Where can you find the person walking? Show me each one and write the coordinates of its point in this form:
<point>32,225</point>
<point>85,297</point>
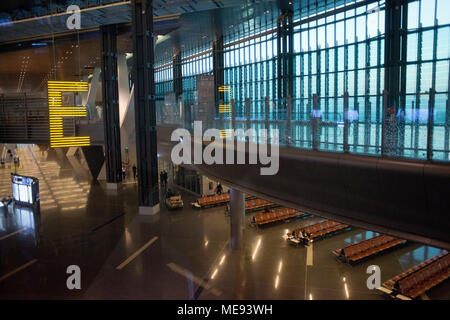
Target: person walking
<point>165,178</point>
<point>161,180</point>
<point>134,171</point>
<point>219,188</point>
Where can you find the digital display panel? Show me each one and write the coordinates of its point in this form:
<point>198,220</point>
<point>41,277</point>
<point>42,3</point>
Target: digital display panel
<point>23,194</point>
<point>25,189</point>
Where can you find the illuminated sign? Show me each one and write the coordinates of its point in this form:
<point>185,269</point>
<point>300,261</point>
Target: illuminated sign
<point>57,112</point>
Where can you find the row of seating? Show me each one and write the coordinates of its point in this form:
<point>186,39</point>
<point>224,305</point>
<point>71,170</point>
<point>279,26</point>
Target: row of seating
<point>309,233</point>
<point>276,215</point>
<point>257,204</point>
<point>420,278</point>
<point>213,200</point>
<point>324,228</point>
<point>366,248</point>
<point>209,201</point>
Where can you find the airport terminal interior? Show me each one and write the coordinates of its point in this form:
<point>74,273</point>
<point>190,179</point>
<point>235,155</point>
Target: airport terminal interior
<point>225,149</point>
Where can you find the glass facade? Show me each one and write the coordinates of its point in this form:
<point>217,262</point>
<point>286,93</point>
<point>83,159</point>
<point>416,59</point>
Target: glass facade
<point>427,67</point>
<point>194,61</point>
<point>338,54</point>
<point>163,80</point>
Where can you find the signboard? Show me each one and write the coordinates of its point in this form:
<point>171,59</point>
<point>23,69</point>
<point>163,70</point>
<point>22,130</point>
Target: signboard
<point>59,109</point>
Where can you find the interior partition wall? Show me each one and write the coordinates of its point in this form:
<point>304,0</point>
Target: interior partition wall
<point>339,89</point>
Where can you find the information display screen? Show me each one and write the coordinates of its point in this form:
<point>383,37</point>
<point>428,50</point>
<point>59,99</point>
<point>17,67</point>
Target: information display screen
<point>25,189</point>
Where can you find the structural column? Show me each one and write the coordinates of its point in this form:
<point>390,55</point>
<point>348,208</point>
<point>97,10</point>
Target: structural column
<point>178,84</point>
<point>394,80</point>
<point>145,112</point>
<point>430,124</point>
<point>177,74</point>
<point>447,121</point>
<point>237,219</point>
<point>346,123</point>
<point>89,100</point>
<point>285,63</point>
<point>218,65</point>
<point>316,123</point>
<point>110,93</point>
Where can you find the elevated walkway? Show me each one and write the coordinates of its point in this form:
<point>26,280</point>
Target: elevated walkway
<point>401,198</point>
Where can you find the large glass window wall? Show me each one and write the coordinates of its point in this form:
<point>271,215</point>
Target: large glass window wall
<point>338,77</point>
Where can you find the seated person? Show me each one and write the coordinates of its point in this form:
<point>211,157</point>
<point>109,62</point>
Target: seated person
<point>307,237</point>
<point>170,193</point>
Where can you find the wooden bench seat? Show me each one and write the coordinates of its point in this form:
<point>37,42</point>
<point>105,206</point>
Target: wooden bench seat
<point>320,229</point>
<point>420,278</point>
<point>276,215</point>
<point>216,200</point>
<point>367,248</point>
<point>420,281</point>
<point>255,204</point>
<point>389,284</point>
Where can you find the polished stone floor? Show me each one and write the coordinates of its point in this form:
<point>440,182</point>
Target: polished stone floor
<point>174,255</point>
